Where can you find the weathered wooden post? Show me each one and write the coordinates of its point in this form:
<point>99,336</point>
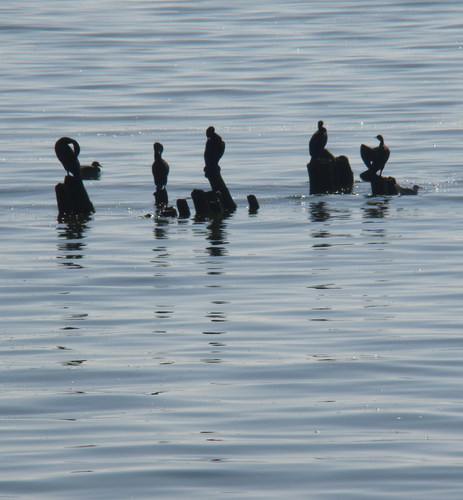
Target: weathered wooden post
<point>200,202</point>
<point>383,185</point>
<point>183,208</point>
<point>253,204</point>
<point>330,174</point>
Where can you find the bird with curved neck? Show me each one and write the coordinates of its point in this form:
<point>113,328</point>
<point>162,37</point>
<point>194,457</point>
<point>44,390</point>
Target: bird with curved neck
<point>214,150</point>
<point>375,158</point>
<point>318,141</point>
<point>160,167</point>
<point>67,150</point>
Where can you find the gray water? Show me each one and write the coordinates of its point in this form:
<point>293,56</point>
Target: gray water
<point>311,350</point>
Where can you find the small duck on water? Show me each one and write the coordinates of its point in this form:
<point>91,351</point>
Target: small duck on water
<point>408,190</point>
<point>92,171</point>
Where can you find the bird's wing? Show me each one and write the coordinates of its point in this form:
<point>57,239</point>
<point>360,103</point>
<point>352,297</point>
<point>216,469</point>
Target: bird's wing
<point>367,154</point>
<point>387,153</point>
<point>221,149</point>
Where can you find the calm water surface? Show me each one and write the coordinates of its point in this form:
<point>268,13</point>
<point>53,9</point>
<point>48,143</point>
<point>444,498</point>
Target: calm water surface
<point>311,350</point>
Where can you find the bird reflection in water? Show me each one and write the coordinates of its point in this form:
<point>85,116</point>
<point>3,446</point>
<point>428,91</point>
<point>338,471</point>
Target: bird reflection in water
<point>217,237</point>
<point>160,228</point>
<point>319,212</point>
<point>216,316</point>
<point>162,257</point>
<point>164,311</point>
<point>72,230</point>
<point>376,208</point>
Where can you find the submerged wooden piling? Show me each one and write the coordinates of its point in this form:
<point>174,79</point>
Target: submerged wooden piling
<point>253,204</point>
<point>383,185</point>
<point>388,186</point>
<point>183,208</point>
<point>218,186</point>
<point>330,175</point>
<point>201,203</point>
<point>72,198</point>
<point>161,197</point>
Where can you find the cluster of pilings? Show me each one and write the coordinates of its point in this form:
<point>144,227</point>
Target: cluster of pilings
<point>330,174</point>
<point>327,175</point>
<point>216,202</point>
<point>72,198</point>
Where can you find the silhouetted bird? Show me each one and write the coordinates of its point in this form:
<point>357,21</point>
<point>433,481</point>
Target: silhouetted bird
<point>67,155</point>
<point>90,171</point>
<point>215,148</point>
<point>318,141</point>
<point>375,158</point>
<point>160,167</point>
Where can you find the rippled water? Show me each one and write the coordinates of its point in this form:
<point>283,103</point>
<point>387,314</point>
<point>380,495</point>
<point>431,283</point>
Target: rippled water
<point>311,350</point>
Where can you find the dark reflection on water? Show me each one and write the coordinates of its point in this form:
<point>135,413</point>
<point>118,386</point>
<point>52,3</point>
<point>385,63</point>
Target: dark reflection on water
<point>325,286</point>
<point>217,316</point>
<point>74,362</point>
<point>321,234</point>
<point>162,256</point>
<point>321,246</point>
<point>67,318</point>
<point>77,317</point>
<point>217,235</point>
<point>217,344</point>
<point>160,228</point>
<point>215,232</point>
<point>164,311</point>
<point>377,233</point>
<point>214,271</point>
<point>376,208</point>
<point>72,230</point>
<point>318,211</point>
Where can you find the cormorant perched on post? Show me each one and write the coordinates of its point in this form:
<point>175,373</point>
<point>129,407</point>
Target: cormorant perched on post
<point>215,148</point>
<point>67,155</point>
<point>375,158</point>
<point>220,197</point>
<point>318,141</point>
<point>160,167</point>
